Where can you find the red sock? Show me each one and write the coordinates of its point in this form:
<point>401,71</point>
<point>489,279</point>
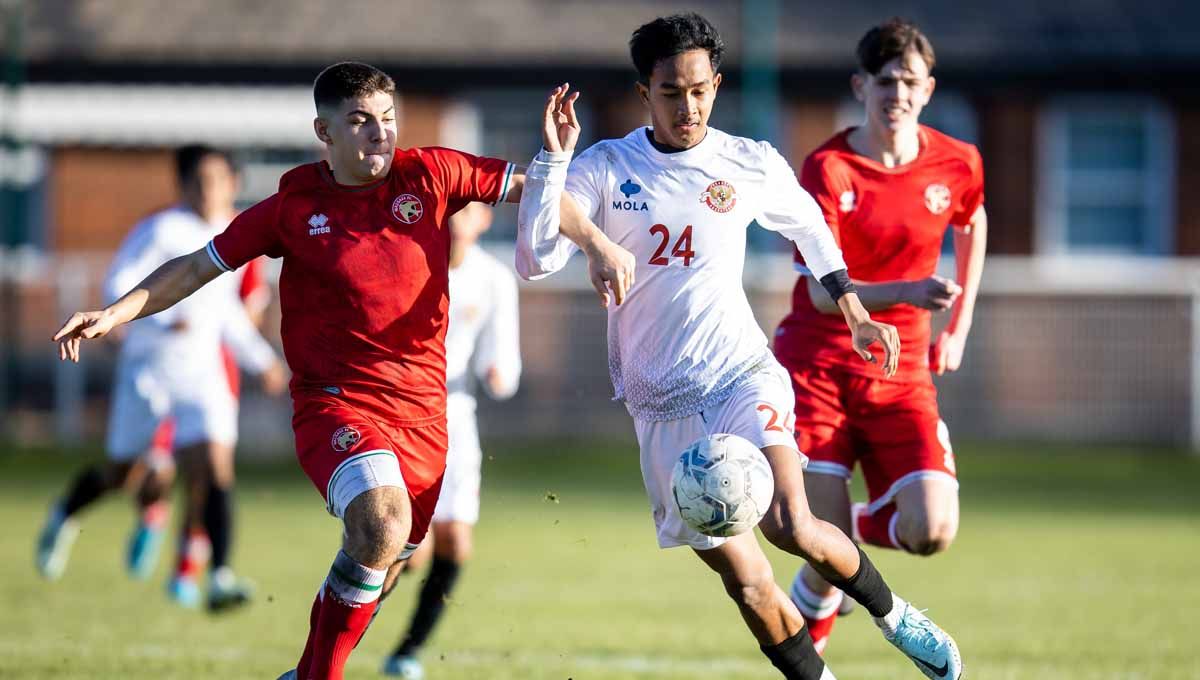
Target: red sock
<point>155,515</point>
<point>338,631</point>
<point>314,618</point>
<point>879,528</point>
<point>820,629</point>
<point>193,554</point>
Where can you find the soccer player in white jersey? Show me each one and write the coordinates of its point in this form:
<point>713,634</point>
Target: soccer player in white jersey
<point>685,353</point>
<point>482,347</point>
<point>171,366</point>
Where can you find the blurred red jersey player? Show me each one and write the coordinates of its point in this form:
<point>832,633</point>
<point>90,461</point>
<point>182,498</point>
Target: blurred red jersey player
<point>889,189</point>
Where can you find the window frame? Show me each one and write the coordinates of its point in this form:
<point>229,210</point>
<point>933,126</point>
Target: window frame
<point>1052,199</point>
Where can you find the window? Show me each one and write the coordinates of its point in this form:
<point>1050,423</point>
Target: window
<point>1105,177</point>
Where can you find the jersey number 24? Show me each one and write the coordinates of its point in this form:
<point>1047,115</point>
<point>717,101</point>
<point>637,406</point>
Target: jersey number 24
<point>682,247</point>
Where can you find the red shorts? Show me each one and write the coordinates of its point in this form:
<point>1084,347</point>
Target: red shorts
<point>891,428</point>
<point>333,432</point>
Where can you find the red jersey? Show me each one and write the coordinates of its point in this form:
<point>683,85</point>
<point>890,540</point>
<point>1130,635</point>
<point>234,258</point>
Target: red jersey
<point>890,223</point>
<point>363,291</point>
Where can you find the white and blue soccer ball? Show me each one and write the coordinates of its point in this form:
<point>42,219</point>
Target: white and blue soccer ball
<point>722,485</point>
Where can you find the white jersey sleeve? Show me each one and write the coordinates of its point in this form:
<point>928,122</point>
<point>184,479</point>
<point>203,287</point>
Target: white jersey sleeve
<point>789,210</point>
<point>499,344</point>
<point>541,248</point>
<point>250,349</point>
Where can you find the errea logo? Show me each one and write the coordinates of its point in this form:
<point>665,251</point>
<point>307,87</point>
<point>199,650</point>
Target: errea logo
<point>318,224</point>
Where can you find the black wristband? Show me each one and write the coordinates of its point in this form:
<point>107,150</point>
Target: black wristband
<point>837,284</point>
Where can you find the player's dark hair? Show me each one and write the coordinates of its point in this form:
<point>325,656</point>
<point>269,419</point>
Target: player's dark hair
<point>350,80</point>
<point>187,160</point>
<point>893,38</point>
<point>666,37</point>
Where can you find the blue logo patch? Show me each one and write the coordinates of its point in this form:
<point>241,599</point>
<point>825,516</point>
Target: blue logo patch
<point>332,390</point>
<point>629,188</point>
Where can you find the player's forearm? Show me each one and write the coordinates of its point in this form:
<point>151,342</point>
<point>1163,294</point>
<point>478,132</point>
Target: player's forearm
<point>873,297</point>
<point>165,286</point>
<point>970,248</point>
<point>851,308</point>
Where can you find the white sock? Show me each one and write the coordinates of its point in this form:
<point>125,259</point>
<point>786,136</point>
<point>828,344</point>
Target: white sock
<point>890,621</point>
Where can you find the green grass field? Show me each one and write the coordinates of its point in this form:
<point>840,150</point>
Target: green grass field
<point>1070,564</point>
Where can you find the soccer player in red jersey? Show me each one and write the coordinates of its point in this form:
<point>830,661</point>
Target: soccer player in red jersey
<point>889,188</point>
<point>363,294</point>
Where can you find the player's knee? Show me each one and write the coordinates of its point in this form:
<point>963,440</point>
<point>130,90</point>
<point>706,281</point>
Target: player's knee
<point>928,536</point>
<point>376,528</point>
<point>751,591</point>
<point>791,528</point>
<point>455,548</point>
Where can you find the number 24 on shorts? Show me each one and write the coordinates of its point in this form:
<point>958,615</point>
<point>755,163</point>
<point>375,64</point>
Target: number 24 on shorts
<point>682,247</point>
<point>774,424</point>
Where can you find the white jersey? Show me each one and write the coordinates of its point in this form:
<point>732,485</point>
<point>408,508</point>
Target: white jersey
<point>685,337</point>
<point>210,316</point>
<point>483,331</point>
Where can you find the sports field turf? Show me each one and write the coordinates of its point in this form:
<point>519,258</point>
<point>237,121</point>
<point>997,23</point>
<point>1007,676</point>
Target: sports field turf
<point>1070,565</point>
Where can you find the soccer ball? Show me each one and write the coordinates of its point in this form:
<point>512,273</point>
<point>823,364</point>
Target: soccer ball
<point>722,485</point>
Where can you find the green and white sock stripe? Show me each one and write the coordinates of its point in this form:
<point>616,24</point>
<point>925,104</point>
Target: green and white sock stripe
<point>812,605</point>
<point>353,582</point>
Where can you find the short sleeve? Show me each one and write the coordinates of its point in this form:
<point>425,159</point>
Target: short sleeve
<point>466,178</point>
<point>585,180</point>
<point>253,233</point>
<point>972,197</point>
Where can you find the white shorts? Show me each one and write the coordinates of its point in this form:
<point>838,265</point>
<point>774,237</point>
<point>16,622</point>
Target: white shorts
<point>759,411</point>
<point>459,498</point>
<point>144,394</point>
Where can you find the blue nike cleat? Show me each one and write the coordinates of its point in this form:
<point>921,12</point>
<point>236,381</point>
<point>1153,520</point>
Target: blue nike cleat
<point>54,544</point>
<point>184,591</point>
<point>142,556</point>
<point>932,649</point>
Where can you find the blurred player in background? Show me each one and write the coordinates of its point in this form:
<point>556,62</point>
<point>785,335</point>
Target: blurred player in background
<point>482,346</point>
<point>888,189</point>
<point>685,353</point>
<point>364,299</point>
<point>171,374</point>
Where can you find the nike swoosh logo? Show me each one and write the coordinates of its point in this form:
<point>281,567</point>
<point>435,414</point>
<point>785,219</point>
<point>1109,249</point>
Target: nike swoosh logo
<point>938,671</point>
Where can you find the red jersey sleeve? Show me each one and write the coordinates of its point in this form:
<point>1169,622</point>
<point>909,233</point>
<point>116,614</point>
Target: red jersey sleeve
<point>973,195</point>
<point>466,178</point>
<point>254,232</point>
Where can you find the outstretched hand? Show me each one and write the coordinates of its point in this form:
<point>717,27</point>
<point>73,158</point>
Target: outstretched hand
<point>81,326</point>
<point>869,332</point>
<point>560,126</point>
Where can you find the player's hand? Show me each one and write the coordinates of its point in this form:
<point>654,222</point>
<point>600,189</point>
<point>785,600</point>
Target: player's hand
<point>936,293</point>
<point>868,332</point>
<point>495,382</point>
<point>946,353</point>
<point>560,126</point>
<point>81,326</point>
<point>274,379</point>
<point>611,269</point>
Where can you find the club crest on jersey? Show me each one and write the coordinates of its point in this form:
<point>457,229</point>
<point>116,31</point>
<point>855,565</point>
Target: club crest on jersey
<point>937,198</point>
<point>345,438</point>
<point>407,208</point>
<point>847,201</point>
<point>720,196</point>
